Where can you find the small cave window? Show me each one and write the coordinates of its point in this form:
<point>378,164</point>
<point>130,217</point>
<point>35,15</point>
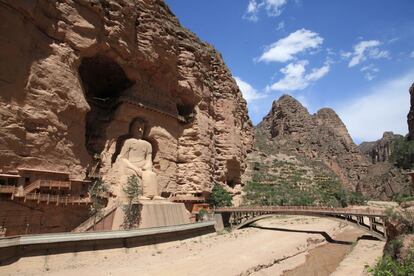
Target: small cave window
<point>233,173</point>
<point>103,81</point>
<point>185,111</point>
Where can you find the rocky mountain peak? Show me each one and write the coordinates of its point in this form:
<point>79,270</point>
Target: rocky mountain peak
<point>322,136</point>
<point>287,116</point>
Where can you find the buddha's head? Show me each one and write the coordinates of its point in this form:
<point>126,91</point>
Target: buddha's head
<point>137,128</point>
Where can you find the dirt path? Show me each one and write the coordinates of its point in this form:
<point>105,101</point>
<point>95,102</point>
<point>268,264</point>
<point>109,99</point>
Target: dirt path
<point>251,251</point>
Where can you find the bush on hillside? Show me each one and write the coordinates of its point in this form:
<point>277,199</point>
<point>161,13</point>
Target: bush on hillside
<point>403,153</point>
<point>326,192</point>
<point>392,267</point>
<point>219,197</point>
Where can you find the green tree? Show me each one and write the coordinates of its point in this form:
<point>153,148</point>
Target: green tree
<point>132,211</point>
<point>97,192</point>
<point>219,197</point>
<point>403,153</point>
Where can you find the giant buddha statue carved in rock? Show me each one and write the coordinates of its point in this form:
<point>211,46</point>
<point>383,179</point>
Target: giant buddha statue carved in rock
<point>135,158</point>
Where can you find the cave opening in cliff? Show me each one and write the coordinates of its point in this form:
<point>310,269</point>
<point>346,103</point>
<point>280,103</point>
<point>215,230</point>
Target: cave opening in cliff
<point>233,173</point>
<point>103,81</point>
<point>185,109</point>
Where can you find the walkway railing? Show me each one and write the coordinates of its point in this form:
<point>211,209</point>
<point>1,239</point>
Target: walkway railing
<point>306,209</point>
<point>47,184</point>
<point>48,198</point>
<point>6,189</point>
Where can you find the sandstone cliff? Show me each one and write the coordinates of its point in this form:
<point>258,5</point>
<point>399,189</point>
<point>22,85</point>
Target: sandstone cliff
<point>289,128</point>
<point>383,179</point>
<point>380,150</point>
<point>78,71</point>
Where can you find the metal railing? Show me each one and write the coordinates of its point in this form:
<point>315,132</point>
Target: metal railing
<point>304,209</point>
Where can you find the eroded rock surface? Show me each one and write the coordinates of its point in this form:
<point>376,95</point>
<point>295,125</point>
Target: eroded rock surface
<point>79,71</point>
<point>383,179</point>
<point>380,150</point>
<point>323,138</point>
<point>289,128</point>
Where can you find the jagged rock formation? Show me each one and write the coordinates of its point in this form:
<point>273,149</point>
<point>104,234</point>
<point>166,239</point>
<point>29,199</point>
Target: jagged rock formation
<point>410,116</point>
<point>323,138</point>
<point>383,178</point>
<point>289,128</point>
<point>77,72</point>
<point>380,150</point>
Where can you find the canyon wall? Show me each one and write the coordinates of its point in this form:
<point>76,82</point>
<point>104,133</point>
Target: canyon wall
<point>79,71</point>
<point>380,150</point>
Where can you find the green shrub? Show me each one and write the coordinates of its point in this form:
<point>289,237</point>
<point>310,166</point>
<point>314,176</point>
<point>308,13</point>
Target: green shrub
<point>132,211</point>
<point>96,192</point>
<point>324,192</point>
<point>400,198</point>
<point>403,153</point>
<point>388,266</point>
<point>219,197</point>
<point>356,198</point>
<point>263,194</point>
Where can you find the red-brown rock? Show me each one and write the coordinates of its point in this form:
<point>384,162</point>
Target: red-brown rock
<point>77,72</point>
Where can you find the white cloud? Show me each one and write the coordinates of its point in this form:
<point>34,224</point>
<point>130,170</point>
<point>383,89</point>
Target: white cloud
<point>280,26</point>
<point>252,11</point>
<point>370,72</point>
<point>392,40</point>
<point>345,55</point>
<point>286,48</point>
<point>412,54</point>
<point>249,93</point>
<point>295,77</point>
<point>385,108</point>
<point>364,50</point>
<point>272,7</point>
<point>318,73</point>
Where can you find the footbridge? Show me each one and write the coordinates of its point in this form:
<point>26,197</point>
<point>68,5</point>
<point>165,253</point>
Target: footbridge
<point>371,220</point>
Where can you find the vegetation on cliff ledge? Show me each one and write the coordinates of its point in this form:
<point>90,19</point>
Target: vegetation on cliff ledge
<point>219,197</point>
<point>403,153</point>
<point>293,187</point>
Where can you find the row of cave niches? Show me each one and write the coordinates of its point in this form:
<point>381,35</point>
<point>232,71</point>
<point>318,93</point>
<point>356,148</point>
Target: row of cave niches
<point>104,82</point>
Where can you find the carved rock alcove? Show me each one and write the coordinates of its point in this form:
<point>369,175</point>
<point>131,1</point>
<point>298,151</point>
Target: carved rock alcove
<point>103,81</point>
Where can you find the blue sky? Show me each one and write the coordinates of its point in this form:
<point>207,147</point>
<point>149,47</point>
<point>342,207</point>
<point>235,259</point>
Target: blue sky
<point>354,56</point>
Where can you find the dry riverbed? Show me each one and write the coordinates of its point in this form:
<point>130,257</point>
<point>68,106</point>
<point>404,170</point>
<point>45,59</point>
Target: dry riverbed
<point>277,246</point>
